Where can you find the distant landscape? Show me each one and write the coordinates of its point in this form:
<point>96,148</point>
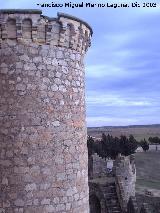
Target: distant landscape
<point>148,170</point>
<point>148,178</point>
<point>138,131</point>
<point>147,163</point>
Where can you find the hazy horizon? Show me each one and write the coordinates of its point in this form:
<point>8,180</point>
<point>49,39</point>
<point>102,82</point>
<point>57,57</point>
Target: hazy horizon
<point>124,125</point>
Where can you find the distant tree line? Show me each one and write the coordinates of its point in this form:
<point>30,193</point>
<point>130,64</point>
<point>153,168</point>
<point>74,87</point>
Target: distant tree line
<point>144,144</point>
<point>154,140</point>
<point>110,147</point>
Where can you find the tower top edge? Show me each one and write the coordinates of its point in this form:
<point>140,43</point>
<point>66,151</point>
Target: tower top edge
<point>39,12</point>
<point>64,15</point>
<point>20,11</point>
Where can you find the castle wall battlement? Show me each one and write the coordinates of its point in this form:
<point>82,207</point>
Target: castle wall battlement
<point>125,175</point>
<point>64,31</point>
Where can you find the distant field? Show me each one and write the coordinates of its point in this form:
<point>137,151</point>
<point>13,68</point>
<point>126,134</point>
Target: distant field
<point>148,170</point>
<point>148,178</point>
<point>139,132</point>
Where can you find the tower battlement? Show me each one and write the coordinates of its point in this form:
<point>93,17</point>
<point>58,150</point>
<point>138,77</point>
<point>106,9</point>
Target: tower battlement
<point>30,25</point>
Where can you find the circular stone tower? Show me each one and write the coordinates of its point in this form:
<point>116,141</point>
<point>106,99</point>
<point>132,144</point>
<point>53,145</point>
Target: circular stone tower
<point>43,152</point>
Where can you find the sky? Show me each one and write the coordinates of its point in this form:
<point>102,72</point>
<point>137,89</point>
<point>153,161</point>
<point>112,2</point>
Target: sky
<point>123,63</point>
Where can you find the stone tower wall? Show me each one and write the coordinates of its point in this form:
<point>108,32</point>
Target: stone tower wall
<point>43,152</point>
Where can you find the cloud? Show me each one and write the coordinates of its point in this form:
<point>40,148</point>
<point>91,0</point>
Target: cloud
<point>114,100</point>
<point>110,121</point>
<point>104,70</point>
<point>122,121</point>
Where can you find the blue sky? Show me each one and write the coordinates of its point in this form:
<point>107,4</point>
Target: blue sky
<point>123,63</point>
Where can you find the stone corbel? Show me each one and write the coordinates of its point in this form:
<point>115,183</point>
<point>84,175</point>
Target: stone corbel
<point>19,30</point>
<point>4,30</point>
<point>84,42</point>
<point>74,40</point>
<point>87,44</point>
<point>34,33</point>
<point>48,33</point>
<point>0,36</point>
<point>62,33</point>
<point>80,40</point>
<point>0,31</point>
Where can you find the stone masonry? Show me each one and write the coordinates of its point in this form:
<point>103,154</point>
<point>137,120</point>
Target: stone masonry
<point>43,152</point>
<point>99,167</point>
<point>125,179</point>
<point>112,190</point>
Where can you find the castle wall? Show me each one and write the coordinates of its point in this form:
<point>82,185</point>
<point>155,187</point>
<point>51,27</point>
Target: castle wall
<point>100,166</point>
<point>125,176</point>
<point>43,152</point>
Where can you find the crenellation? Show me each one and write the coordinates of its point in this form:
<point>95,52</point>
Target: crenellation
<point>63,31</point>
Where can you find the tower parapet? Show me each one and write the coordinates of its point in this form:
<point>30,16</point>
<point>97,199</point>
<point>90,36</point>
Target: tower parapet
<point>43,137</point>
<point>64,30</point>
